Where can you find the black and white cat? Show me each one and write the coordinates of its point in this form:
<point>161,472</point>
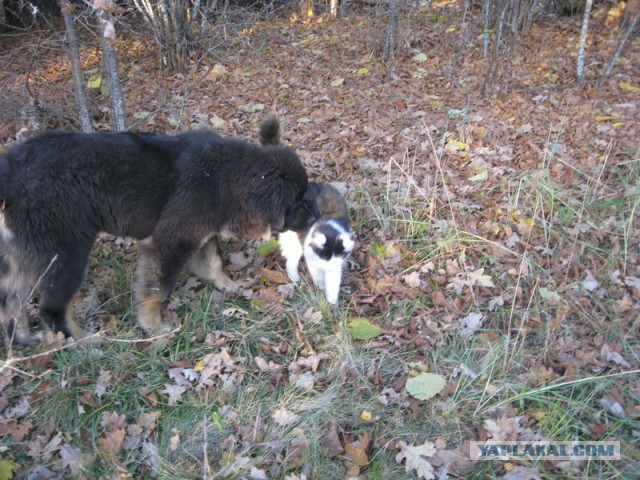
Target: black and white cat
<point>322,237</point>
<point>318,229</point>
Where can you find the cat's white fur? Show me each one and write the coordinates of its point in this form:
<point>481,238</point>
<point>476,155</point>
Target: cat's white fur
<point>326,274</point>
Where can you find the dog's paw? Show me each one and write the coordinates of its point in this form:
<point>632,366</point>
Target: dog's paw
<point>28,339</point>
<point>225,284</point>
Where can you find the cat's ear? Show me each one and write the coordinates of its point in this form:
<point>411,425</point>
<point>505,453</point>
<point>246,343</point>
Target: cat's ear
<point>318,240</point>
<point>347,241</point>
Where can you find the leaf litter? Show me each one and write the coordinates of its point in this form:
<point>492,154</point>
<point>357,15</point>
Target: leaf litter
<point>508,226</point>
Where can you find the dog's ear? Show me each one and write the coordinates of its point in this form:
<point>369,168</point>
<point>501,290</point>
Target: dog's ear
<point>273,193</point>
<point>303,214</point>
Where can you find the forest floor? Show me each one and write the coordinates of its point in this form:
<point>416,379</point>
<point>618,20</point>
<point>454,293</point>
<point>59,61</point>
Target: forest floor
<point>497,248</point>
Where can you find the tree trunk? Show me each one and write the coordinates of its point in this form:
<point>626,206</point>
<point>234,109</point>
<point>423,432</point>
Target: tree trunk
<point>583,41</point>
<point>391,34</point>
<point>76,68</point>
<point>106,22</point>
<point>334,8</point>
<point>631,26</point>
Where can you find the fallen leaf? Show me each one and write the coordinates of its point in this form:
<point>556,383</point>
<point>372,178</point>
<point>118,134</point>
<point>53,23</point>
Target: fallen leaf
<point>420,57</point>
<point>270,367</point>
<point>470,324</point>
<point>110,443</point>
<point>590,283</point>
<point>481,176</point>
<point>330,442</point>
<point>217,122</point>
<point>609,355</point>
<point>296,452</point>
<point>275,277</point>
<point>356,455</point>
<point>477,277</point>
<point>267,248</point>
<point>503,429</point>
<point>174,441</point>
<point>415,458</point>
<point>8,468</point>
<point>72,459</point>
<point>284,417</point>
<point>629,87</point>
<point>456,146</point>
<point>425,385</point>
<point>257,107</point>
<point>412,280</point>
<point>550,296</point>
<point>174,392</point>
<point>438,299</point>
<point>363,329</point>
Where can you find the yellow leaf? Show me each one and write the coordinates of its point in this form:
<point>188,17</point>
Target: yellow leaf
<point>604,118</point>
<point>538,414</point>
<point>628,87</point>
<point>199,366</point>
<point>94,82</point>
<point>456,145</point>
<point>450,29</point>
<point>481,176</point>
<point>7,469</point>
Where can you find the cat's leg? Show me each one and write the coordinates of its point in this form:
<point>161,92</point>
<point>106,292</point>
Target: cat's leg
<point>292,251</point>
<point>316,268</point>
<point>332,281</point>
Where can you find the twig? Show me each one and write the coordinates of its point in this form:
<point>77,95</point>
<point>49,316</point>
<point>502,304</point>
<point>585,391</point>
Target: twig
<point>11,360</point>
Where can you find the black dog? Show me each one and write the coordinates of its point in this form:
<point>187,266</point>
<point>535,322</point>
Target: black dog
<point>179,194</point>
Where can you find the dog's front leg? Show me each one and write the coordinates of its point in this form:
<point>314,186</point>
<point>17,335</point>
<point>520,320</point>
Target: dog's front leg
<point>148,294</point>
<point>207,265</point>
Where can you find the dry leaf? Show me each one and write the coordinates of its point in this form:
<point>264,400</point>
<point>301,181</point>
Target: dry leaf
<point>412,280</point>
<point>110,444</point>
<point>504,429</point>
<point>438,299</point>
<point>174,441</point>
<point>330,442</point>
<point>270,367</point>
<point>356,454</point>
<point>415,458</point>
<point>103,382</point>
<point>470,324</point>
<point>275,277</point>
<point>174,392</point>
<point>284,417</point>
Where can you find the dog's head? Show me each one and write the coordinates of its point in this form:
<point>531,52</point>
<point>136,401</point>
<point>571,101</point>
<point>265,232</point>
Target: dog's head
<point>278,182</point>
<point>303,214</point>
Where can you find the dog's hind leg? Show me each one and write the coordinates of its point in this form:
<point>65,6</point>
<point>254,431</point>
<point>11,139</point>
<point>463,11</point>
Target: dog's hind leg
<point>15,286</point>
<point>207,264</point>
<point>60,286</point>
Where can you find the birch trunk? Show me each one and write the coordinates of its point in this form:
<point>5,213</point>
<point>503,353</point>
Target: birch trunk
<point>583,41</point>
<point>106,22</point>
<point>76,68</point>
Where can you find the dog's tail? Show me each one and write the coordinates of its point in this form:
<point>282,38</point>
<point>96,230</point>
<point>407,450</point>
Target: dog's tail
<point>270,131</point>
